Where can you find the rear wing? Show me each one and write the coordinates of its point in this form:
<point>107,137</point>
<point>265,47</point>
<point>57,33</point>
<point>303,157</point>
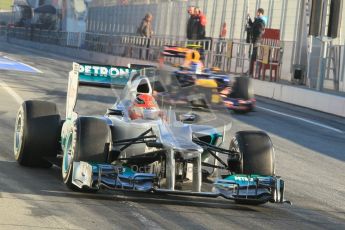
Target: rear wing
<point>107,76</point>
<point>182,52</point>
<point>190,54</point>
<point>96,75</point>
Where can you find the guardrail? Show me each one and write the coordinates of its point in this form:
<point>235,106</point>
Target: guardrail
<point>228,55</point>
<point>3,30</point>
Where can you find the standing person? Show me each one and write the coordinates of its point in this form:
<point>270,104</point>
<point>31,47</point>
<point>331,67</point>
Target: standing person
<point>192,24</point>
<point>145,30</point>
<point>201,23</point>
<point>190,11</point>
<point>223,31</point>
<point>220,46</point>
<point>257,29</point>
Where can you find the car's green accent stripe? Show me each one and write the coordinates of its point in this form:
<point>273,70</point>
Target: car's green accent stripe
<point>67,145</point>
<point>105,74</point>
<point>126,171</point>
<point>243,179</point>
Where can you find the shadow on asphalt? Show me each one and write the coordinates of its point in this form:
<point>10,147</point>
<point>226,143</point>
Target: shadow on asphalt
<point>317,139</point>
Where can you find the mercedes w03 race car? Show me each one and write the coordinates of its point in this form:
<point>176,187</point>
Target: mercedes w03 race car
<point>143,144</point>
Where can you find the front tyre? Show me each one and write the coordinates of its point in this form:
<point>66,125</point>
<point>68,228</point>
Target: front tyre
<point>257,156</point>
<point>87,142</point>
<point>37,131</point>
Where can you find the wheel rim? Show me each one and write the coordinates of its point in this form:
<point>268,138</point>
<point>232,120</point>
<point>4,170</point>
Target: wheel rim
<point>67,158</point>
<point>18,134</point>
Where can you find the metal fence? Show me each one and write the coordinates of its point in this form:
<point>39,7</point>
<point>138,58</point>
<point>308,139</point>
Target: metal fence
<point>170,17</point>
<point>335,67</point>
<point>228,55</point>
<point>5,17</point>
<point>170,20</point>
<point>3,30</point>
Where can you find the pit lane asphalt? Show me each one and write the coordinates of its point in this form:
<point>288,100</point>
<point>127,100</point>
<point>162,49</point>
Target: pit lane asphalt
<point>311,159</point>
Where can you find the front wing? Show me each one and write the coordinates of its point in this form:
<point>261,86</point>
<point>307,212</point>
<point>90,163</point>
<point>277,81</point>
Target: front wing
<point>254,188</point>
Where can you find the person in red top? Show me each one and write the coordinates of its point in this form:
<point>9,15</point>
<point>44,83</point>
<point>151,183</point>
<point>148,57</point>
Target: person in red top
<point>202,24</point>
<point>221,46</point>
<point>223,31</point>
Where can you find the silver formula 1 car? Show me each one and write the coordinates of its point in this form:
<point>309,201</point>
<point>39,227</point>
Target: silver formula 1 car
<point>141,144</point>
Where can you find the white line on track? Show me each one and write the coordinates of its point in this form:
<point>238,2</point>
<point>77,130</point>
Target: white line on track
<point>148,224</point>
<point>29,66</point>
<point>11,92</point>
<point>302,119</point>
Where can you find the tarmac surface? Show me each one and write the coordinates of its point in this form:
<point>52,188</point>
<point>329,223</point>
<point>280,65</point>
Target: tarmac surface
<point>310,157</point>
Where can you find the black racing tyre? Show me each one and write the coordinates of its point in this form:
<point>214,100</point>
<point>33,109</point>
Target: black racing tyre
<point>203,97</point>
<point>87,143</point>
<point>37,132</point>
<point>257,157</point>
<point>257,153</point>
<point>242,88</point>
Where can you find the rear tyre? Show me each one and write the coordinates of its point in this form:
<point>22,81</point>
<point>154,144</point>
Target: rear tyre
<point>257,156</point>
<point>86,143</point>
<point>242,88</point>
<point>37,132</point>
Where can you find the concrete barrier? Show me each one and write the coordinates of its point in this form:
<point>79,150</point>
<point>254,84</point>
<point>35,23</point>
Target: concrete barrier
<point>290,94</point>
<point>323,102</point>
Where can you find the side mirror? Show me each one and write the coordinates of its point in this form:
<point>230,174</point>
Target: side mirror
<point>115,112</point>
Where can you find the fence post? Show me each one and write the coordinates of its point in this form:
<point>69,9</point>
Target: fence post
<point>322,64</point>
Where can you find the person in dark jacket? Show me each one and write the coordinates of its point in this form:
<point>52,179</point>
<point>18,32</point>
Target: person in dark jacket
<point>256,29</point>
<point>189,22</point>
<point>193,24</point>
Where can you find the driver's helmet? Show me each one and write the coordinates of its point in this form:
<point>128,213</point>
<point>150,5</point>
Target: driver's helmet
<point>144,107</point>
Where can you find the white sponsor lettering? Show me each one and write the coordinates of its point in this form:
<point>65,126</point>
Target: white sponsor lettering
<point>124,71</point>
<point>104,71</point>
<point>114,72</point>
<point>81,69</point>
<point>95,70</point>
<point>242,178</point>
<point>87,70</point>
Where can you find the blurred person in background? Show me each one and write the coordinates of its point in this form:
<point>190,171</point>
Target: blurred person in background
<point>201,23</point>
<point>221,46</point>
<point>145,30</point>
<point>192,24</point>
<point>255,30</point>
<point>223,31</point>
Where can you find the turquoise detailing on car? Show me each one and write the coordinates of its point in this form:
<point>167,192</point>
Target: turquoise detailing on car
<point>104,74</point>
<point>242,180</point>
<point>67,146</point>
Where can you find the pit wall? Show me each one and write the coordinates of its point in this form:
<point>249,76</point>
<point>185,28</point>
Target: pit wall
<point>323,102</point>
